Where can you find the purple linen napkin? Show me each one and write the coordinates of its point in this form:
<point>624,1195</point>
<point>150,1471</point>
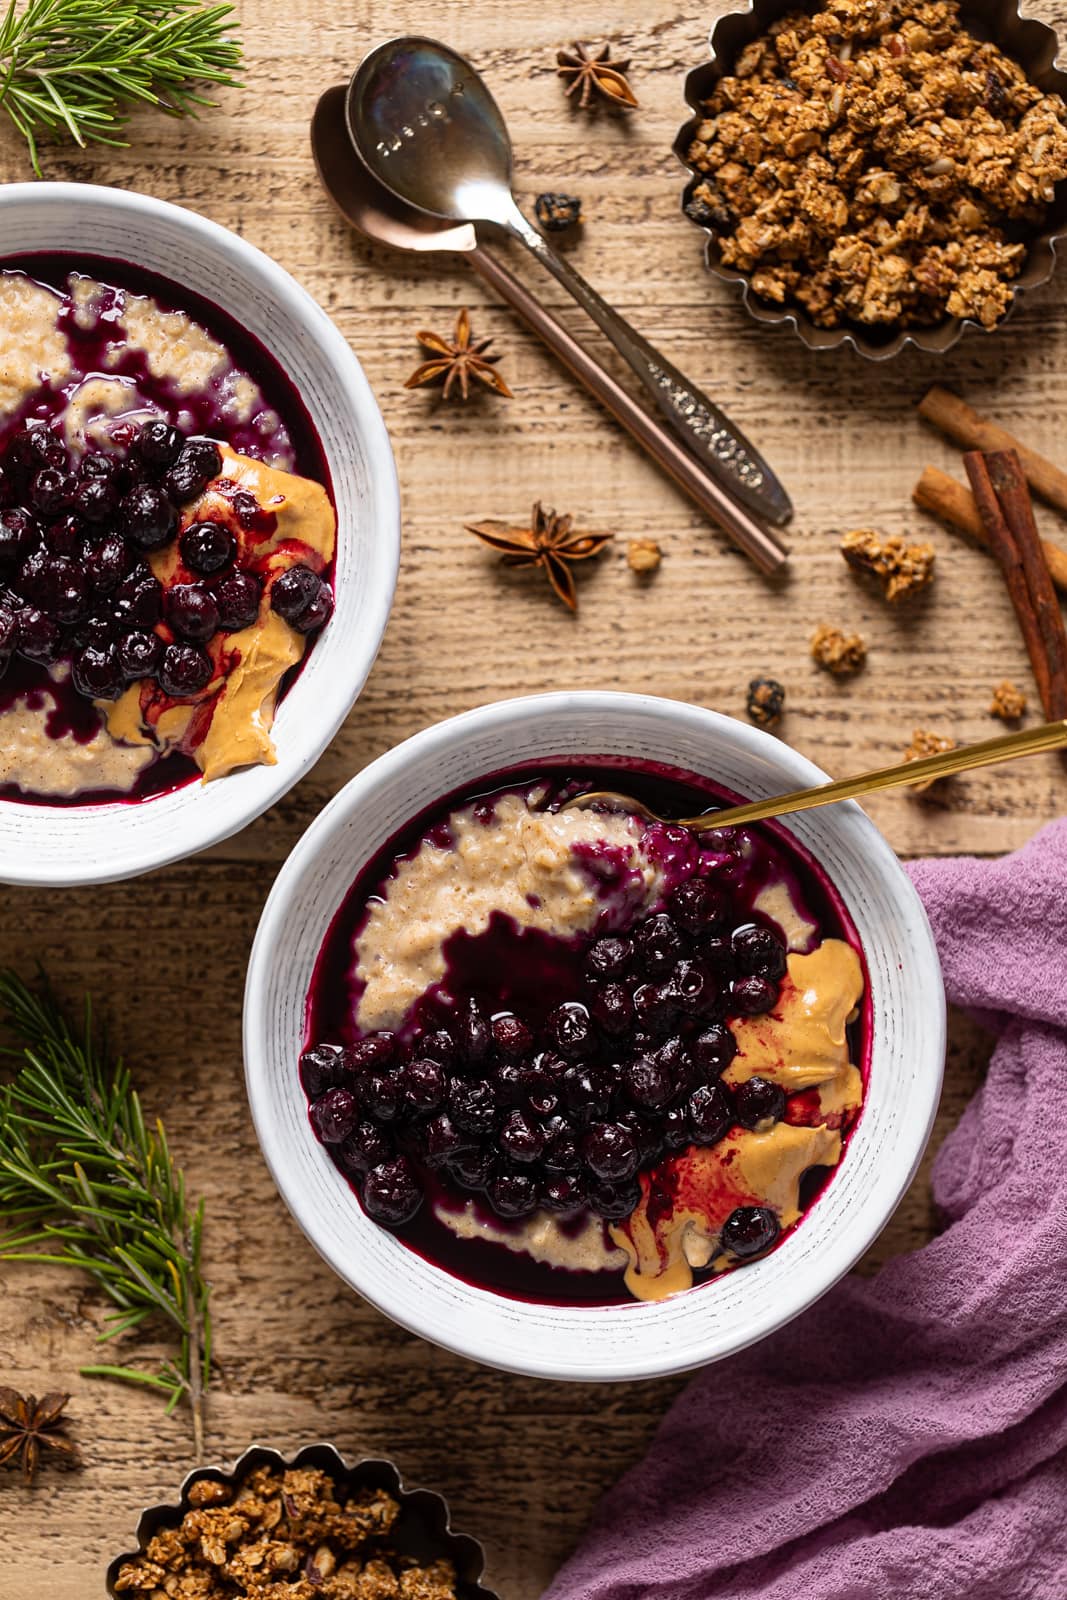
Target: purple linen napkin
<point>906,1438</point>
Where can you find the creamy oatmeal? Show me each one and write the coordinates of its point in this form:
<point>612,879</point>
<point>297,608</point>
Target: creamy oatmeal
<point>165,539</point>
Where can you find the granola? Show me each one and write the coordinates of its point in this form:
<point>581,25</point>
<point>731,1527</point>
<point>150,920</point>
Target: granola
<point>290,1535</point>
<point>839,653</point>
<point>925,743</point>
<point>903,569</point>
<point>643,556</point>
<point>873,162</point>
<point>1008,702</point>
<point>765,702</point>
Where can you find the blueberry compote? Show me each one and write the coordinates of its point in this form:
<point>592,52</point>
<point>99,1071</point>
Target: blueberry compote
<point>550,1082</point>
<point>117,390</point>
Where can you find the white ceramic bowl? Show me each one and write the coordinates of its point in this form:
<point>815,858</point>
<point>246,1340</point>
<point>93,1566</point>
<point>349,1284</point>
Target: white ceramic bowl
<point>627,1341</point>
<point>92,844</point>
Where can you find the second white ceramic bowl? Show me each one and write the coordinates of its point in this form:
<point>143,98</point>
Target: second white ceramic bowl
<point>625,1341</point>
<point>64,845</point>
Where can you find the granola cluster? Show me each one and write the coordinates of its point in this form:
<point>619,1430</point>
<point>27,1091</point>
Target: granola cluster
<point>924,743</point>
<point>837,652</point>
<point>874,163</point>
<point>1008,702</point>
<point>282,1536</point>
<point>901,568</point>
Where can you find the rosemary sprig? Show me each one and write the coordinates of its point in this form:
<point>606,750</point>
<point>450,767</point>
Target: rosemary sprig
<point>78,66</point>
<point>85,1183</point>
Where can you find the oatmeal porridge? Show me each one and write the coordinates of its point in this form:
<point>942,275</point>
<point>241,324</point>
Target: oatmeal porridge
<point>576,1056</point>
<point>166,536</point>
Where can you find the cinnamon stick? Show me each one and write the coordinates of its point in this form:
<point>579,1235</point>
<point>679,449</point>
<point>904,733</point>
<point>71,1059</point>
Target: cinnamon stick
<point>1009,483</point>
<point>1003,542</point>
<point>969,429</point>
<point>953,503</point>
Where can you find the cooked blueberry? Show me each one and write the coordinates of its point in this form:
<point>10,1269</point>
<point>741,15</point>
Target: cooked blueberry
<point>509,1083</point>
<point>473,1032</point>
<point>714,1049</point>
<point>318,612</point>
<point>390,1193</point>
<point>382,1094</point>
<point>673,1056</point>
<point>9,632</point>
<point>184,671</point>
<point>148,517</point>
<point>321,1068</point>
<point>609,957</point>
<point>424,1084</point>
<point>614,1201</point>
<point>511,1035</point>
<point>759,952</point>
<point>648,1083</point>
<point>561,1150</point>
<point>198,462</point>
<point>55,584</point>
<point>138,599</point>
<point>373,1053</point>
<point>472,1168</point>
<point>365,1147</point>
<point>293,591</point>
<point>473,1105</point>
<point>96,674</point>
<point>158,443</point>
<point>655,1007</point>
<point>18,536</point>
<point>658,944</point>
<point>40,639</point>
<point>139,654</point>
<point>513,1194</point>
<point>698,904</point>
<point>691,987</point>
<point>439,1046</point>
<point>710,1113</point>
<point>95,499</point>
<point>610,1151</point>
<point>95,464</point>
<point>98,632</point>
<point>587,1092</point>
<point>749,1230</point>
<point>334,1115</point>
<point>753,996</point>
<point>520,1139</point>
<point>37,446</point>
<point>207,547</point>
<point>443,1141</point>
<point>67,538</point>
<point>674,1128</point>
<point>716,954</point>
<point>612,1009</point>
<point>570,1026</point>
<point>758,1100</point>
<point>191,611</point>
<point>564,1193</point>
<point>237,598</point>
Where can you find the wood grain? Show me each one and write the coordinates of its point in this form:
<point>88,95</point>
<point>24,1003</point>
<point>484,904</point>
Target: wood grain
<point>300,1357</point>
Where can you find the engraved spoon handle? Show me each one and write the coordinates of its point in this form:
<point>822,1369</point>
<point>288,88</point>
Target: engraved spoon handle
<point>707,431</point>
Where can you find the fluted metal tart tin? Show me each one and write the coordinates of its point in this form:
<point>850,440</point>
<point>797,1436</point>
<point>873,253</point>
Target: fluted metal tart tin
<point>423,1529</point>
<point>1031,43</point>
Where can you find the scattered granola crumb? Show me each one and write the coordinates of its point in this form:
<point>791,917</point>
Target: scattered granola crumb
<point>903,569</point>
<point>643,556</point>
<point>765,702</point>
<point>293,1535</point>
<point>1008,702</point>
<point>557,212</point>
<point>925,743</point>
<point>839,653</point>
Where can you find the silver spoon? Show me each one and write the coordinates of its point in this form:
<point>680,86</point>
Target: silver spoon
<point>425,124</point>
<point>367,205</point>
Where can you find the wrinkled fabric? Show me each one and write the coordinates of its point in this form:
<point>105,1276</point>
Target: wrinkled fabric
<point>906,1438</point>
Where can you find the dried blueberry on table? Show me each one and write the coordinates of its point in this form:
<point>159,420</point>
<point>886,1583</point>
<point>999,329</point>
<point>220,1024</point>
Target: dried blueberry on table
<point>710,1113</point>
<point>139,654</point>
<point>237,598</point>
<point>513,1194</point>
<point>749,1230</point>
<point>207,548</point>
<point>758,1100</point>
<point>390,1192</point>
<point>158,443</point>
<point>199,461</point>
<point>97,674</point>
<point>753,996</point>
<point>765,702</point>
<point>184,671</point>
<point>758,952</point>
<point>191,611</point>
<point>334,1115</point>
<point>148,517</point>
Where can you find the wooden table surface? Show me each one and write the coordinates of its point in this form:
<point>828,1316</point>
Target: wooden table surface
<point>299,1357</point>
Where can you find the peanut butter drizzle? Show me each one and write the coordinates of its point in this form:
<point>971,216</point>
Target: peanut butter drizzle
<point>802,1045</point>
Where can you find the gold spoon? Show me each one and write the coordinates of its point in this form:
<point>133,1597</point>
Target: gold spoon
<point>1027,742</point>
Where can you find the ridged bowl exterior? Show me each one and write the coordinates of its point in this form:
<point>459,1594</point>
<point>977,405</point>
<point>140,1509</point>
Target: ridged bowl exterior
<point>1031,43</point>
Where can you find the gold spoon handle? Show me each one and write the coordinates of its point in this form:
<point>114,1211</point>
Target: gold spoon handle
<point>1027,742</point>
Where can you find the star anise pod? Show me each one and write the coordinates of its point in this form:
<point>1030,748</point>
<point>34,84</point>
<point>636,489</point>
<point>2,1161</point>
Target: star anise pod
<point>550,542</point>
<point>595,75</point>
<point>458,360</point>
<point>28,1426</point>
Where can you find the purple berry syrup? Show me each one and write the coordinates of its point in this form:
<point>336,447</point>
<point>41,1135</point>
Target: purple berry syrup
<point>530,972</point>
<point>74,714</point>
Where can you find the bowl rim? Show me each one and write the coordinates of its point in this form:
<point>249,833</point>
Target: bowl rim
<point>25,868</point>
<point>655,1360</point>
<point>937,340</point>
